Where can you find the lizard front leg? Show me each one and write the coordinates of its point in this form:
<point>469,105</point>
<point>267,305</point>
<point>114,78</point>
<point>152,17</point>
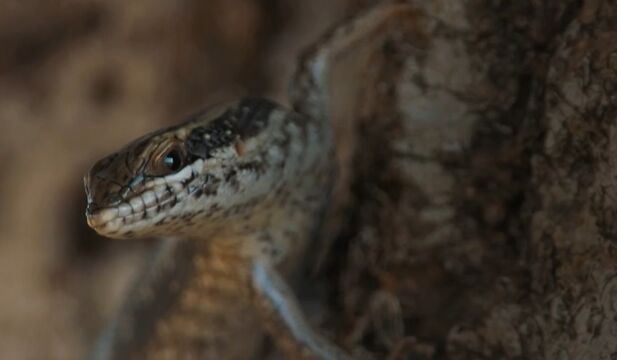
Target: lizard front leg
<point>284,318</point>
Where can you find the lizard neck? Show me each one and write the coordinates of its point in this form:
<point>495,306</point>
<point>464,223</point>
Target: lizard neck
<point>278,215</point>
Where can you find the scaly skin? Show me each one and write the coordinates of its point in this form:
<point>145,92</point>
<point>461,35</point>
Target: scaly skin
<point>245,185</point>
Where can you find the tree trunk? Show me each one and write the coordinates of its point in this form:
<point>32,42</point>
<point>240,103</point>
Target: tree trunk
<point>484,220</point>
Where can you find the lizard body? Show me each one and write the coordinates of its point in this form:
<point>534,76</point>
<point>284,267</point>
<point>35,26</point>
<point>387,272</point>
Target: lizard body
<point>251,181</point>
<point>245,185</point>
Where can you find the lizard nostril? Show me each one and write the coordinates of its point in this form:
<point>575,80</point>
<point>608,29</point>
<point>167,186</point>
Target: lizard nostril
<point>101,192</point>
<point>91,208</point>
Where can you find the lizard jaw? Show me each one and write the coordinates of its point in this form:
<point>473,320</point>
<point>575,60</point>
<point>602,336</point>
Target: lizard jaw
<point>147,211</point>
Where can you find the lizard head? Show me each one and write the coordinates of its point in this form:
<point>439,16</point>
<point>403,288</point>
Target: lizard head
<point>189,178</point>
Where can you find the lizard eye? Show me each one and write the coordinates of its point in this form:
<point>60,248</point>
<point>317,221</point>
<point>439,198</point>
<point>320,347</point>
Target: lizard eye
<point>169,162</point>
<point>173,160</point>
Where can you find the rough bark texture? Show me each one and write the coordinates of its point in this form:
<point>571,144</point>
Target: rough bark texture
<point>484,217</point>
<point>483,226</point>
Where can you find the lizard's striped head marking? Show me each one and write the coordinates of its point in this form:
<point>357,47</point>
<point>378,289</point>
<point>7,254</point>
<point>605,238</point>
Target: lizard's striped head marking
<point>158,183</point>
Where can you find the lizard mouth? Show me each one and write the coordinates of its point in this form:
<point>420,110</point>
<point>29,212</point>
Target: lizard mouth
<point>139,213</point>
<point>134,209</point>
<point>146,209</point>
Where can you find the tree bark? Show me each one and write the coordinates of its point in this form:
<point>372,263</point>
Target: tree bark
<point>484,222</point>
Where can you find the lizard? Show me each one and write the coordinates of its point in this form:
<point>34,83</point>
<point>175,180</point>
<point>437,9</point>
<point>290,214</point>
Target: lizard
<point>244,190</point>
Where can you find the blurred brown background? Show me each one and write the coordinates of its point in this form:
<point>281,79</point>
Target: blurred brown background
<point>77,80</point>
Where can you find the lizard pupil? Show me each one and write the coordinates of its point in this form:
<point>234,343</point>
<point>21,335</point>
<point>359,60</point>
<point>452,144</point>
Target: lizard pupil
<point>172,160</point>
